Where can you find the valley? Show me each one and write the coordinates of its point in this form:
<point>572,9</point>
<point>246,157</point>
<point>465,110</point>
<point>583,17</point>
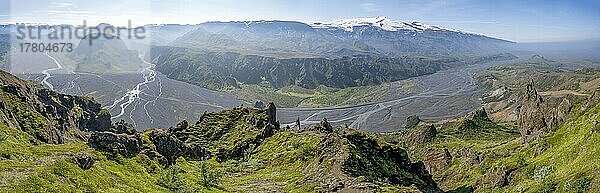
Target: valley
<point>298,105</point>
<point>137,97</point>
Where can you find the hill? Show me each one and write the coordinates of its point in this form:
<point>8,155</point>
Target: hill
<point>240,149</point>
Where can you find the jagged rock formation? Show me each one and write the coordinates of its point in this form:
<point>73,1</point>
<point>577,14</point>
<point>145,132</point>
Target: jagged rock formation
<point>119,143</point>
<point>537,117</point>
<point>46,115</point>
<point>259,104</point>
<point>592,99</point>
<point>420,135</point>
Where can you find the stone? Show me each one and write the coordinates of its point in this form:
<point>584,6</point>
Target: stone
<point>325,126</point>
<point>272,113</point>
<point>259,104</point>
<point>168,145</point>
<point>124,144</point>
<point>122,127</point>
<point>84,161</point>
<point>412,122</point>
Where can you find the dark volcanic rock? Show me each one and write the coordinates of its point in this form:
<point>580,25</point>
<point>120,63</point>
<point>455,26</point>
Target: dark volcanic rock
<point>537,117</point>
<point>412,121</point>
<point>532,120</point>
<point>122,127</point>
<point>272,115</point>
<point>168,145</point>
<point>325,126</point>
<point>84,161</point>
<point>124,144</point>
<point>259,104</point>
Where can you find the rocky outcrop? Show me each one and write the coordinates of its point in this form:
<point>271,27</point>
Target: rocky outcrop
<point>437,159</point>
<point>495,177</point>
<point>592,99</point>
<point>84,161</point>
<point>384,163</point>
<point>420,135</point>
<point>259,104</point>
<point>48,116</point>
<point>537,117</point>
<point>124,144</point>
<point>239,129</point>
<point>122,127</point>
<point>412,122</point>
<point>167,145</point>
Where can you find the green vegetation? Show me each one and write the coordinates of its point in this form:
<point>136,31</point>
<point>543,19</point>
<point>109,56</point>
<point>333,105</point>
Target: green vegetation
<point>484,154</point>
<point>30,120</point>
<point>263,92</point>
<point>549,76</point>
<point>295,96</point>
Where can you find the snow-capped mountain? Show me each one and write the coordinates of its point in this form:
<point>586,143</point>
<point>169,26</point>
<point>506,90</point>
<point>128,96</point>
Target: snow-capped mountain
<point>345,37</point>
<point>380,22</point>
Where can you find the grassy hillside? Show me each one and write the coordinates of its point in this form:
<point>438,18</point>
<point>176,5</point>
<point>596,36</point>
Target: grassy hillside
<point>308,160</point>
<point>489,157</point>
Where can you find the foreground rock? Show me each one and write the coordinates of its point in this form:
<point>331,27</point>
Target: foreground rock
<point>84,161</point>
<point>122,143</point>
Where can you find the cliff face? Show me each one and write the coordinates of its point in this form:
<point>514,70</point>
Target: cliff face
<point>46,115</point>
<point>222,69</point>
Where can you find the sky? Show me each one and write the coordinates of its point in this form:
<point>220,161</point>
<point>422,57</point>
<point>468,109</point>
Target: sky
<point>515,20</point>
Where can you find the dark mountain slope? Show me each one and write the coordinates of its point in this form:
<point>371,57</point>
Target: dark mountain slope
<point>218,70</point>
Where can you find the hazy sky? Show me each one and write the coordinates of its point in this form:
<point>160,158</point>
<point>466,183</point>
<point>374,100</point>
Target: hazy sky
<point>517,20</point>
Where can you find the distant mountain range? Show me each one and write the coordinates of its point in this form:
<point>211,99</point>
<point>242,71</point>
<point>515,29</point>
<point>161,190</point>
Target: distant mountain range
<point>340,54</point>
<point>336,39</point>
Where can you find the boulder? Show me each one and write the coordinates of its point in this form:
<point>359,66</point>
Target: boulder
<point>324,126</point>
<point>83,160</point>
<point>122,127</point>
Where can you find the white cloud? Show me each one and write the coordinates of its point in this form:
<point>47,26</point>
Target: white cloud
<point>370,7</point>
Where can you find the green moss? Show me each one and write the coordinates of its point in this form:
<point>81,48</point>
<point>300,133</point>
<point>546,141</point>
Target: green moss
<point>30,120</point>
